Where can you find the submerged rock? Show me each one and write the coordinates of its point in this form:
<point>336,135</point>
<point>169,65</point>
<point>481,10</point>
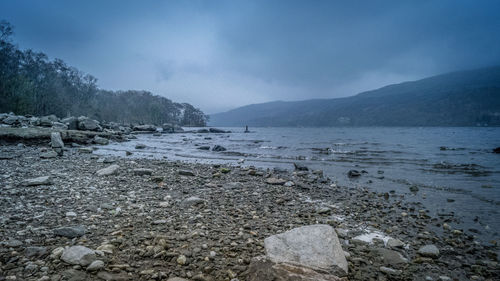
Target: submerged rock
<point>353,173</point>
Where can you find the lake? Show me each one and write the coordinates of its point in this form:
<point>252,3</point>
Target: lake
<point>449,170</point>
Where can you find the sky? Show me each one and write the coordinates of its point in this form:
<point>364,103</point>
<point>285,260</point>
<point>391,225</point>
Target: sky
<point>218,55</point>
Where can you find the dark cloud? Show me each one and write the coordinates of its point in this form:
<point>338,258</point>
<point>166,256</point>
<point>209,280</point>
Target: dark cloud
<point>222,54</point>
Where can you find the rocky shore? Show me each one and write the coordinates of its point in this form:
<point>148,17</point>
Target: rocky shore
<point>79,216</point>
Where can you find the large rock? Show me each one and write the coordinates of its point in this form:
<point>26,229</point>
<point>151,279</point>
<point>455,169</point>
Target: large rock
<point>172,128</point>
<point>71,122</point>
<point>313,246</point>
<point>56,142</point>
<point>11,119</point>
<point>218,148</point>
<point>429,251</point>
<point>87,124</point>
<point>147,128</point>
<point>78,255</point>
<point>108,171</point>
<point>100,140</point>
<point>264,269</point>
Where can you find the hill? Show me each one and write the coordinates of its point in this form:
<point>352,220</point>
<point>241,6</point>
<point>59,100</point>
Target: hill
<point>463,98</point>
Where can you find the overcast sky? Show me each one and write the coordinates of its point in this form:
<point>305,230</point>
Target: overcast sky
<point>218,55</point>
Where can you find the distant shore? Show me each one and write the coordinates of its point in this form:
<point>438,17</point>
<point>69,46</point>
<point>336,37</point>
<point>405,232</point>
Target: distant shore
<point>157,219</point>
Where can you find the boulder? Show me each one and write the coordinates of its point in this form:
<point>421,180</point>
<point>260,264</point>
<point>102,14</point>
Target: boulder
<point>38,181</point>
<point>146,128</point>
<point>100,140</point>
<point>140,146</point>
<point>108,171</point>
<point>87,124</point>
<point>391,257</point>
<point>11,119</point>
<point>300,167</point>
<point>71,122</point>
<point>218,148</point>
<point>496,150</point>
<point>315,246</point>
<point>172,128</point>
<point>204,147</point>
<point>56,142</point>
<point>78,255</point>
<point>215,130</point>
<point>429,251</point>
<point>59,126</point>
<point>353,173</point>
<point>46,121</point>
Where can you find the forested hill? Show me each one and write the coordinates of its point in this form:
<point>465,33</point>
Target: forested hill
<point>32,84</point>
<point>465,98</point>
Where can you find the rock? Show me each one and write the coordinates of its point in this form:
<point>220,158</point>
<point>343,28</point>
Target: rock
<point>87,124</point>
<point>215,130</point>
<point>171,128</point>
<point>218,148</point>
<point>182,260</point>
<point>78,255</point>
<point>85,149</point>
<point>12,119</point>
<point>496,150</point>
<point>106,248</point>
<point>11,243</point>
<point>264,269</point>
<point>56,140</point>
<point>390,271</point>
<point>429,251</point>
<point>176,279</point>
<point>108,171</point>
<point>414,188</point>
<point>60,126</point>
<point>140,146</point>
<point>70,214</point>
<point>192,201</point>
<point>323,210</point>
<point>100,140</point>
<point>38,181</point>
<point>186,173</point>
<point>391,257</point>
<point>314,246</point>
<point>144,128</point>
<point>353,173</point>
<point>48,155</point>
<point>96,265</point>
<point>35,251</point>
<point>275,181</point>
<point>108,276</point>
<point>205,147</point>
<point>394,243</point>
<point>142,171</point>
<point>70,231</point>
<point>71,122</point>
<point>300,167</point>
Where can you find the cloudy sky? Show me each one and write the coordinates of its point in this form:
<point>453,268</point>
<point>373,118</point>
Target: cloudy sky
<point>218,55</point>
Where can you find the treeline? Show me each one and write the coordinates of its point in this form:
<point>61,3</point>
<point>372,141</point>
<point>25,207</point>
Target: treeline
<point>32,84</point>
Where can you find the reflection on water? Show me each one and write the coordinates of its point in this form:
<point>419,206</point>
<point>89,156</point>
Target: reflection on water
<point>454,168</point>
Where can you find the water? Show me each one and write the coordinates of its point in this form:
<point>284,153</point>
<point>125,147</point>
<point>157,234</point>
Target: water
<point>453,168</point>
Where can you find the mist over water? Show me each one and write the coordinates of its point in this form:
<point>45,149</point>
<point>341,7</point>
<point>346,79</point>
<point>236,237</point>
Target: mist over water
<point>454,169</point>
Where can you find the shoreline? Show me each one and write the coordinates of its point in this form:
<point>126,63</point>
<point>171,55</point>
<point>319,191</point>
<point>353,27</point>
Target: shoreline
<point>149,223</point>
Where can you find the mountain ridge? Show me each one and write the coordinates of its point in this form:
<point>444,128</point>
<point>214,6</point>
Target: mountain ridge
<point>460,98</point>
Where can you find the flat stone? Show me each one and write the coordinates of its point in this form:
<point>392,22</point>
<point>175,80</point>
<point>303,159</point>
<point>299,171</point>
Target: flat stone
<point>96,265</point>
<point>48,155</point>
<point>142,171</point>
<point>78,255</point>
<point>108,171</point>
<point>276,181</point>
<point>70,231</point>
<point>429,251</point>
<point>314,246</point>
<point>192,201</point>
<point>38,181</point>
<point>186,173</point>
<point>390,271</point>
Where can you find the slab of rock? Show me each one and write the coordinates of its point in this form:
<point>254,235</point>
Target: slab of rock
<point>313,246</point>
<point>264,269</point>
<point>392,258</point>
<point>70,231</point>
<point>429,251</point>
<point>38,181</point>
<point>100,140</point>
<point>108,171</point>
<point>78,255</point>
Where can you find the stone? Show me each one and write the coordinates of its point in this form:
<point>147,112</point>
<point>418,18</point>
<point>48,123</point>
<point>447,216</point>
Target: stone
<point>392,258</point>
<point>96,265</point>
<point>145,128</point>
<point>140,146</point>
<point>300,167</point>
<point>106,248</point>
<point>353,173</point>
<point>218,148</point>
<point>142,171</point>
<point>11,243</point>
<point>176,279</point>
<point>276,181</point>
<point>100,140</point>
<point>264,269</point>
<point>87,124</point>
<point>108,171</point>
<point>108,276</point>
<point>85,149</point>
<point>48,155</point>
<point>192,201</point>
<point>186,173</point>
<point>56,140</point>
<point>78,255</point>
<point>70,231</point>
<point>390,271</point>
<point>35,251</point>
<point>429,251</point>
<point>71,122</point>
<point>204,147</point>
<point>314,246</point>
<point>38,181</point>
<point>182,260</point>
<point>394,243</point>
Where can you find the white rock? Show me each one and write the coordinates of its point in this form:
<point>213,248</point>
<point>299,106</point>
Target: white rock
<point>96,265</point>
<point>111,170</point>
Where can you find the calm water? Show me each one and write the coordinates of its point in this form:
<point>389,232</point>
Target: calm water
<point>454,168</point>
